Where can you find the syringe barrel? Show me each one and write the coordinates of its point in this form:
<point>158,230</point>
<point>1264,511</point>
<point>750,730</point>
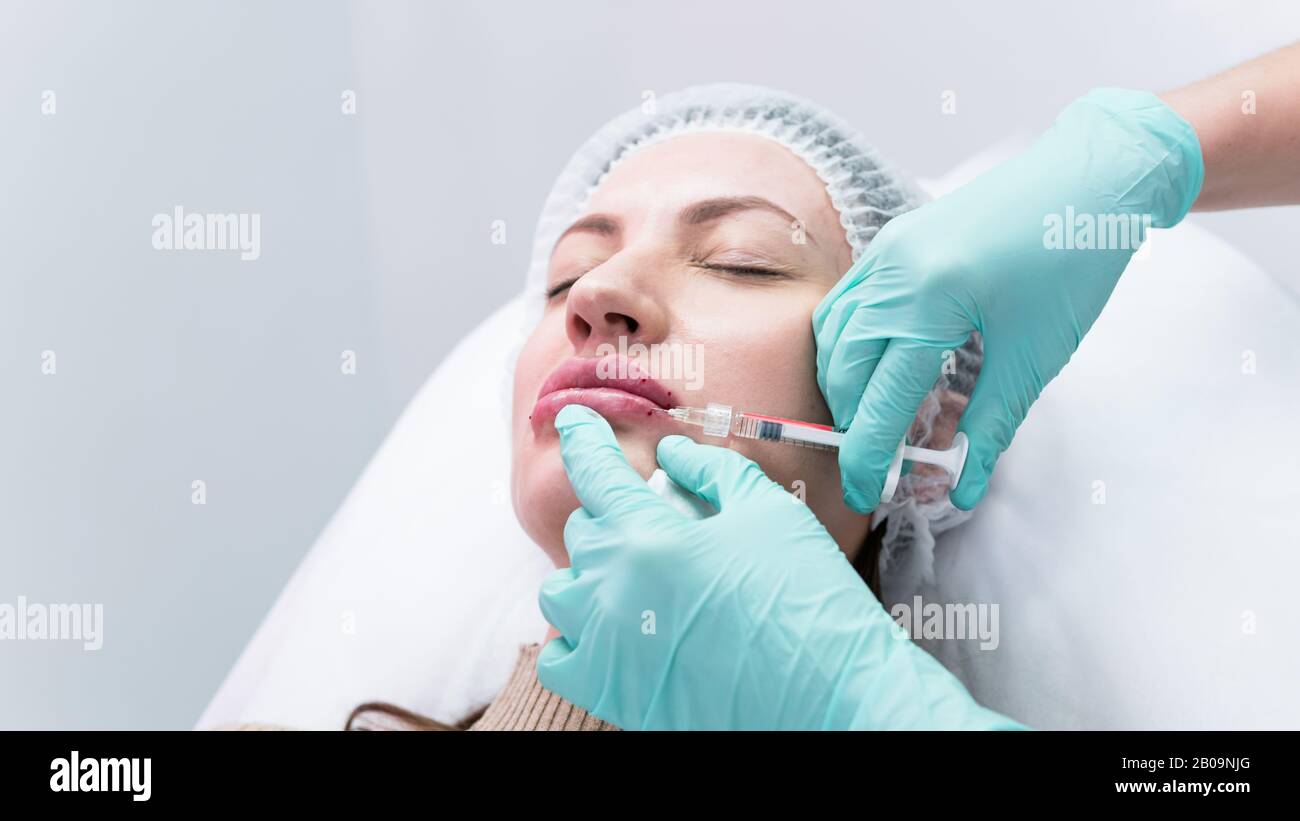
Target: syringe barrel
<point>721,421</point>
<point>753,426</point>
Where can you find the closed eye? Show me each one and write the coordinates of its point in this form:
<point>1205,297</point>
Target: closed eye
<point>559,288</point>
<point>743,270</point>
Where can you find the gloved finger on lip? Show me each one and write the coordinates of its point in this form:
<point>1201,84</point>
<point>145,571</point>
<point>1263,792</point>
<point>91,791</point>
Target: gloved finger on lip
<point>605,484</point>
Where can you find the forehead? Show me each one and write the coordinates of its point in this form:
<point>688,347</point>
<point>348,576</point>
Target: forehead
<point>692,167</point>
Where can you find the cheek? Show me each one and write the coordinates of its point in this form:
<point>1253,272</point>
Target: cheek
<point>541,352</point>
<point>541,496</point>
<point>761,356</point>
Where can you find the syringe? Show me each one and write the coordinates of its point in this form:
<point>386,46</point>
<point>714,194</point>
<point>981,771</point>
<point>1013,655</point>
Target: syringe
<point>720,420</point>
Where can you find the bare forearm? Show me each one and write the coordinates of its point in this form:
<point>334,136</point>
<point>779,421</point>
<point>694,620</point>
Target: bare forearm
<point>1248,122</point>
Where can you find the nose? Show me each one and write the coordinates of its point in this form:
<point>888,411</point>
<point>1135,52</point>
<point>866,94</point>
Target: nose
<point>610,302</point>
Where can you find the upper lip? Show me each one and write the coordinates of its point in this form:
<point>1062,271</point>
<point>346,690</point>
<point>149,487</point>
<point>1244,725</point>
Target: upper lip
<point>587,372</point>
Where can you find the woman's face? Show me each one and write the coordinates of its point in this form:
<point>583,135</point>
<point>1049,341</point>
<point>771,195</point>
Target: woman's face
<point>700,259</point>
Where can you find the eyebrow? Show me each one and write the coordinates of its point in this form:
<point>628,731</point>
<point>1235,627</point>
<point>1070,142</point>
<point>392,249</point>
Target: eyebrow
<point>698,213</point>
<point>598,224</point>
<point>714,209</point>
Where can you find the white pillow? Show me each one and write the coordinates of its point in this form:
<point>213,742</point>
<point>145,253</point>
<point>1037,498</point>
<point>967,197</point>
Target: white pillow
<point>1131,613</point>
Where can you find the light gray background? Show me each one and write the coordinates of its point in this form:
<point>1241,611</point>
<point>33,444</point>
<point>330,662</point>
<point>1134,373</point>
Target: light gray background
<point>376,238</point>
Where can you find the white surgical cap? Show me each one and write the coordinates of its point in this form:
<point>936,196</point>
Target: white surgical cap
<point>865,191</point>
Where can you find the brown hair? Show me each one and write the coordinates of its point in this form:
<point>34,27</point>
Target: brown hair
<point>379,715</point>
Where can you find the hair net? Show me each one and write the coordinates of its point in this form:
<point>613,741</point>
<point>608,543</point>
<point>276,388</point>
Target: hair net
<point>865,191</point>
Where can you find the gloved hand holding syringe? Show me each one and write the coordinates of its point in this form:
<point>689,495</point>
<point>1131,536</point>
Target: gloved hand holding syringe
<point>721,421</point>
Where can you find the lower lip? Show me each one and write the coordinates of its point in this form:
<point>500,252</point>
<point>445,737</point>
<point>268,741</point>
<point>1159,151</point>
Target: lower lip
<point>610,403</point>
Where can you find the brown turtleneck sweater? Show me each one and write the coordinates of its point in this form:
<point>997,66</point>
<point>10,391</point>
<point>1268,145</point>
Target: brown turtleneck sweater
<point>524,704</point>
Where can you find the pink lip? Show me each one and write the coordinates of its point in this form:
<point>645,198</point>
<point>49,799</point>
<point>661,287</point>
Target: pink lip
<point>611,386</point>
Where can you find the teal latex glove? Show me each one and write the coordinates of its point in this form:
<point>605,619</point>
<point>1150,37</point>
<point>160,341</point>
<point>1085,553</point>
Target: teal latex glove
<point>751,618</point>
<point>978,260</point>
